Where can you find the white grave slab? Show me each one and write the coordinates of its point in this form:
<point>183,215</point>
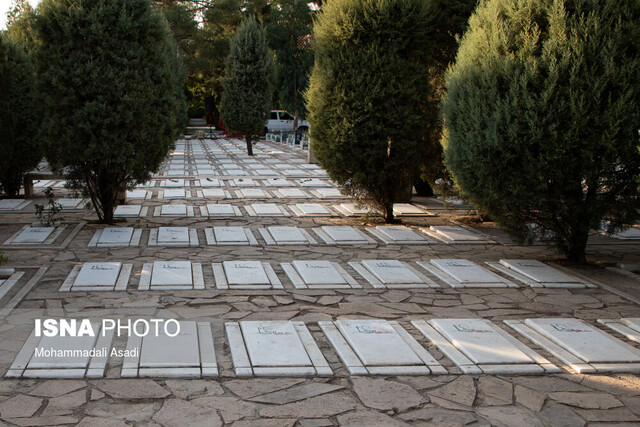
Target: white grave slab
<point>222,210</point>
<point>274,348</point>
<point>34,235</point>
<point>175,193</point>
<point>214,193</point>
<point>350,209</point>
<point>379,347</point>
<point>291,193</point>
<point>478,346</point>
<point>210,182</point>
<point>245,273</point>
<point>391,273</point>
<point>173,235</point>
<point>253,193</point>
<point>190,353</point>
<point>244,182</point>
<point>328,193</point>
<point>171,273</point>
<point>266,209</point>
<point>398,234</point>
<point>286,236</point>
<point>115,236</point>
<point>342,235</point>
<point>230,236</point>
<point>10,204</point>
<point>628,234</point>
<point>71,203</point>
<point>537,274</point>
<point>63,356</point>
<point>455,234</point>
<point>173,210</point>
<point>136,194</point>
<point>94,274</point>
<point>278,182</point>
<point>129,211</point>
<point>174,183</point>
<point>318,274</point>
<point>407,209</point>
<point>313,182</point>
<point>464,273</point>
<point>310,209</point>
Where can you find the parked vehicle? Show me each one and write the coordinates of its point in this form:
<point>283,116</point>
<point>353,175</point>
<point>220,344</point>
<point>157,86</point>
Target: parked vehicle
<point>282,121</point>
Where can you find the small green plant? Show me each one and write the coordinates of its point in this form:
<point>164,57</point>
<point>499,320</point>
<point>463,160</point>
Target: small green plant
<point>3,259</point>
<point>48,214</point>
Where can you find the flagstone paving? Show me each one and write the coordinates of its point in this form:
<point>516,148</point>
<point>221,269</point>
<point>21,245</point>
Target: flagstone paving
<point>449,398</point>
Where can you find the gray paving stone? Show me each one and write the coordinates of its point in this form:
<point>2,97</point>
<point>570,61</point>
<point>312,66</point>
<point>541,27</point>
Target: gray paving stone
<point>132,389</point>
<point>386,395</point>
<point>296,393</point>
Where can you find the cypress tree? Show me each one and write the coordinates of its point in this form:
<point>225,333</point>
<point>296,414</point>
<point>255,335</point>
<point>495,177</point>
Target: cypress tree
<point>542,115</point>
<point>20,148</point>
<point>248,82</point>
<point>112,88</point>
<point>368,96</point>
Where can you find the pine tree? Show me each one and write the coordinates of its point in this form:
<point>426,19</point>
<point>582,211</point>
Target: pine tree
<point>248,82</point>
<point>542,115</point>
<point>20,148</point>
<point>367,98</point>
<point>112,87</point>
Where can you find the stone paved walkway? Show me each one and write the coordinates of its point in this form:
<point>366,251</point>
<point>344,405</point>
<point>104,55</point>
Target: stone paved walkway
<point>566,399</point>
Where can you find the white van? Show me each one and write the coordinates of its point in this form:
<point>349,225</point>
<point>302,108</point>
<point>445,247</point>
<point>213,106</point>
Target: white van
<point>281,121</point>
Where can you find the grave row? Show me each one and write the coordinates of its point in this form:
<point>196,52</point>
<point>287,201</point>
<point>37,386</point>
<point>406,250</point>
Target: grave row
<point>237,182</point>
<point>321,274</point>
<point>247,193</point>
<point>365,347</point>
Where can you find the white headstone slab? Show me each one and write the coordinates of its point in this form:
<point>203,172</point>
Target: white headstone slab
<point>75,360</point>
<point>407,209</point>
<point>215,193</point>
<point>274,343</point>
<point>266,209</point>
<point>318,272</point>
<point>230,234</point>
<point>479,341</point>
<point>538,271</point>
<point>115,235</point>
<point>466,271</point>
<point>220,209</point>
<point>173,235</point>
<point>630,233</point>
<point>245,182</point>
<point>245,273</point>
<point>253,192</point>
<point>174,183</point>
<point>351,208</point>
<point>313,182</point>
<point>136,194</point>
<point>632,322</point>
<point>209,182</point>
<point>456,233</point>
<point>313,209</point>
<point>10,203</point>
<point>34,235</point>
<point>400,233</point>
<point>171,273</point>
<point>376,343</point>
<point>329,192</point>
<point>175,193</point>
<point>342,233</point>
<point>279,182</point>
<point>292,192</point>
<point>98,274</point>
<point>286,234</point>
<point>391,271</point>
<point>265,172</point>
<point>174,210</point>
<point>69,203</point>
<point>163,351</point>
<point>588,343</point>
<point>127,210</point>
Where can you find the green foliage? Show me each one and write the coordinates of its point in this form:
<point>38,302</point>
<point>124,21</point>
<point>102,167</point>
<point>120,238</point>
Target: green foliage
<point>48,214</point>
<point>291,20</point>
<point>367,101</point>
<point>3,259</point>
<point>542,116</point>
<point>20,148</point>
<point>112,87</point>
<point>248,83</point>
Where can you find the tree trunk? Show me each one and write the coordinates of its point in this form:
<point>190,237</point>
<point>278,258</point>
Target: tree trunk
<point>388,213</point>
<point>249,146</point>
<point>577,247</point>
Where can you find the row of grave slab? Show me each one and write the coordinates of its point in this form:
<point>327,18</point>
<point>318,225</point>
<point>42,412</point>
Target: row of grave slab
<point>365,347</point>
<point>320,274</point>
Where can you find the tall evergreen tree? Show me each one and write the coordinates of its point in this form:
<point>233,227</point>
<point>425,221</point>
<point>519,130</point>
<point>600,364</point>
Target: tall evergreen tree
<point>20,148</point>
<point>542,115</point>
<point>367,98</point>
<point>248,83</point>
<point>112,87</point>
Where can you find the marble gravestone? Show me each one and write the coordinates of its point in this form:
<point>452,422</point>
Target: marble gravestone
<point>242,274</point>
<point>454,234</point>
<point>310,209</point>
<point>33,235</point>
<point>129,211</point>
<point>292,193</point>
<point>286,236</point>
<point>318,274</point>
<point>398,234</point>
<point>116,237</point>
<point>221,210</point>
<point>378,347</point>
<point>230,236</point>
<point>274,348</point>
<point>97,276</point>
<point>342,235</point>
<point>537,274</point>
<point>464,273</point>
